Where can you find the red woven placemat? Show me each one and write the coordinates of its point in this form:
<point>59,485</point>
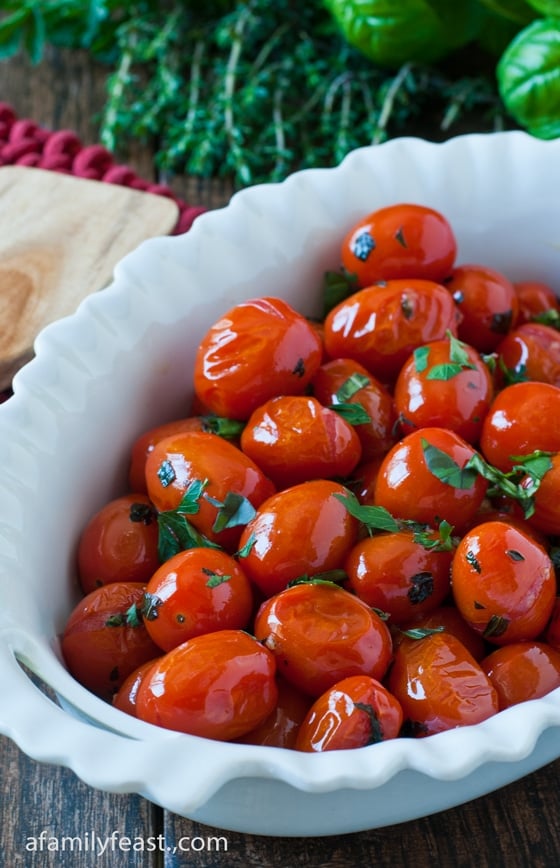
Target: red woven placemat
<point>24,142</point>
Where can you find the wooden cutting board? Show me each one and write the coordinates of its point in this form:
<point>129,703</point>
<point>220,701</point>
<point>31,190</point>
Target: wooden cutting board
<point>60,238</point>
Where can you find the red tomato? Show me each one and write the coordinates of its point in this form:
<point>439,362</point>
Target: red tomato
<point>220,685</point>
<point>303,530</point>
<point>546,502</point>
<point>403,240</point>
<point>125,697</point>
<point>423,479</point>
<point>104,639</point>
<point>362,481</point>
<point>320,633</point>
<point>260,349</point>
<point>530,352</point>
<point>395,573</point>
<point>119,543</point>
<point>522,418</point>
<point>446,384</point>
<point>523,671</point>
<point>145,443</point>
<point>294,439</point>
<point>439,685</point>
<point>355,712</point>
<point>452,622</point>
<point>180,461</point>
<point>196,591</point>
<point>535,300</point>
<point>552,634</point>
<point>503,583</point>
<point>488,304</point>
<point>281,727</point>
<point>381,325</point>
<point>344,381</point>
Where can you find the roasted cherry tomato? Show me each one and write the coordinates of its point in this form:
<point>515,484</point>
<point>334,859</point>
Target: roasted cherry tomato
<point>488,305</point>
<point>281,727</point>
<point>196,591</point>
<point>294,438</point>
<point>320,633</point>
<point>545,517</point>
<point>424,478</point>
<point>537,300</point>
<point>304,530</point>
<point>503,583</point>
<point>444,383</point>
<point>440,685</point>
<point>380,326</point>
<point>355,712</point>
<point>219,685</point>
<point>530,352</point>
<point>344,381</point>
<point>523,671</point>
<point>450,619</point>
<point>105,639</point>
<point>259,349</point>
<point>522,418</point>
<point>403,240</point>
<point>399,573</point>
<point>125,697</point>
<point>119,543</point>
<point>144,444</point>
<point>193,459</point>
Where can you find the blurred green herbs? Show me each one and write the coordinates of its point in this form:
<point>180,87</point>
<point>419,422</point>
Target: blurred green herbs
<point>245,91</point>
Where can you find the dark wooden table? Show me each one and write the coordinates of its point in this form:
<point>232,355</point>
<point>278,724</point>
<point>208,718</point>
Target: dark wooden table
<point>517,826</point>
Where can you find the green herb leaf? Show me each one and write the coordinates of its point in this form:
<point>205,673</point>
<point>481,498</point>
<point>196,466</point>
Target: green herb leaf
<point>229,429</point>
<point>420,355</point>
<point>189,504</point>
<point>245,550</point>
<point>236,510</point>
<point>354,413</point>
<point>444,371</point>
<point>421,632</point>
<point>328,577</point>
<point>444,468</point>
<point>338,285</point>
<point>176,533</point>
<point>214,579</point>
<point>373,517</point>
<point>376,730</point>
<point>351,387</point>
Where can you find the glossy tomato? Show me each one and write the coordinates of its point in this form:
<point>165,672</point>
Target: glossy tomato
<point>400,241</point>
<point>304,530</point>
<point>425,478</point>
<point>522,418</point>
<point>439,685</point>
<point>294,438</point>
<point>523,671</point>
<point>344,381</point>
<point>444,383</point>
<point>260,349</point>
<point>450,619</point>
<point>545,517</point>
<point>281,727</point>
<point>219,685</point>
<point>537,300</point>
<point>125,697</point>
<point>355,712</point>
<point>320,633</point>
<point>530,352</point>
<point>196,591</point>
<point>105,639</point>
<point>381,325</point>
<point>487,302</point>
<point>220,475</point>
<point>399,574</point>
<point>503,583</point>
<point>119,543</point>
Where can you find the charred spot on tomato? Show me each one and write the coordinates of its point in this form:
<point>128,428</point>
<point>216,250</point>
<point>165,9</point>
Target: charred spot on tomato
<point>180,618</point>
<point>150,606</point>
<point>471,559</point>
<point>399,236</point>
<point>422,587</point>
<point>376,732</point>
<point>501,322</point>
<point>299,369</point>
<point>165,473</point>
<point>407,307</point>
<point>413,729</point>
<point>114,674</point>
<point>142,512</point>
<point>478,605</point>
<point>496,626</point>
<point>362,246</point>
<point>515,555</point>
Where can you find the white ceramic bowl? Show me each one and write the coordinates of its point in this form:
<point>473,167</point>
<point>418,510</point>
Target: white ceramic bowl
<point>123,363</point>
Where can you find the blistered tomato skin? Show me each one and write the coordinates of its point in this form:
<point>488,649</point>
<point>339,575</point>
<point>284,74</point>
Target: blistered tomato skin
<point>259,349</point>
<point>177,462</point>
<point>380,326</point>
<point>294,439</point>
<point>488,304</point>
<point>303,530</point>
<point>400,241</point>
<point>220,685</point>
<point>320,634</point>
<point>503,583</point>
<point>523,671</point>
<point>408,484</point>
<point>196,591</point>
<point>440,685</point>
<point>444,383</point>
<point>355,712</point>
<point>522,418</point>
